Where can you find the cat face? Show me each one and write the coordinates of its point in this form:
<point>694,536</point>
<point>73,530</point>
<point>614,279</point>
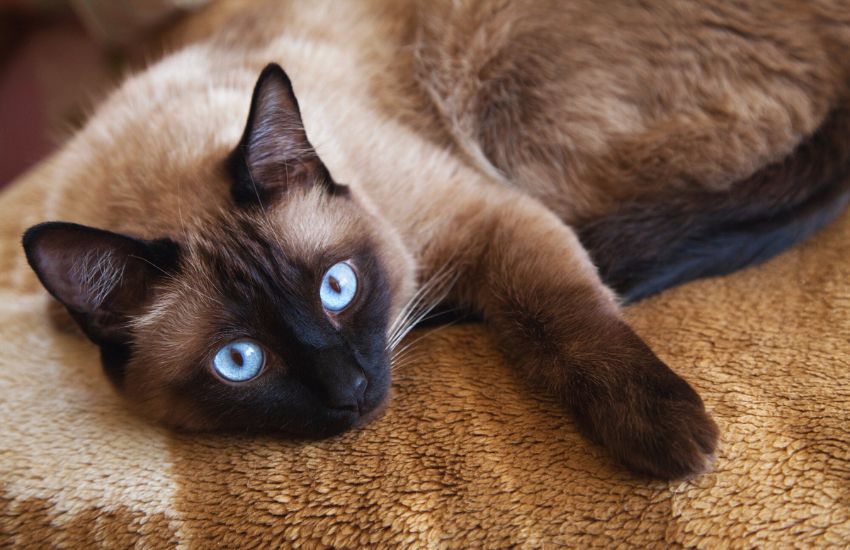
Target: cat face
<point>271,315</point>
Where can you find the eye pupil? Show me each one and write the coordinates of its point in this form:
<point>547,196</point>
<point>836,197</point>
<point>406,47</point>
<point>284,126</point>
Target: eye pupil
<point>334,285</point>
<point>237,357</point>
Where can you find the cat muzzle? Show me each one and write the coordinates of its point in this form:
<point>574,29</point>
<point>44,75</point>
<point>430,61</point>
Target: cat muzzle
<point>341,380</point>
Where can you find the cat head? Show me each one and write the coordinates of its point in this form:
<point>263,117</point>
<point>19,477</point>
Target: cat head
<point>271,315</point>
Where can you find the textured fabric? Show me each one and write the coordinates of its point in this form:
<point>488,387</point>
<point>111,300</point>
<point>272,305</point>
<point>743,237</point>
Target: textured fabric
<point>466,455</point>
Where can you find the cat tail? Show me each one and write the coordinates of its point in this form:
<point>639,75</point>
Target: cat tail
<point>645,247</point>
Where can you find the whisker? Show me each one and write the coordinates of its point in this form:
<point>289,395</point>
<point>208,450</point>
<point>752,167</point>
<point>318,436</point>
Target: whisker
<point>407,354</point>
<point>429,300</point>
<point>412,303</point>
<point>423,301</point>
<point>424,287</point>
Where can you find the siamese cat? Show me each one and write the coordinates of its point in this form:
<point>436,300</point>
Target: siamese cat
<point>249,245</point>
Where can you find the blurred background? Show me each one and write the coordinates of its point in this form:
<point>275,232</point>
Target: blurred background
<point>57,57</point>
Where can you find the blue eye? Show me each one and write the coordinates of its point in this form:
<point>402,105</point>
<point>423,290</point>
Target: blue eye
<point>339,285</point>
<point>239,361</point>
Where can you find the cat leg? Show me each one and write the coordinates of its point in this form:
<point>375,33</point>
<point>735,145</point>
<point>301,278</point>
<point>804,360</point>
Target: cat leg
<point>554,319</point>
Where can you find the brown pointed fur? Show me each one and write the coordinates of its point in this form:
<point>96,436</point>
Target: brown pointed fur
<point>474,137</point>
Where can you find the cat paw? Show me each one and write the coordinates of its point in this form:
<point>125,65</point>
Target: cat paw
<point>656,426</point>
<point>676,439</point>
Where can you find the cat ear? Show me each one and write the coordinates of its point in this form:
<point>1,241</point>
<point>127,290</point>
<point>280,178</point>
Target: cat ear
<point>274,152</point>
<point>102,278</point>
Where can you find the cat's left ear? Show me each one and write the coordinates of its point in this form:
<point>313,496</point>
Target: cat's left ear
<point>274,153</point>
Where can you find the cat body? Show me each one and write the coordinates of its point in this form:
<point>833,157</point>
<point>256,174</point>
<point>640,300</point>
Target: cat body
<point>457,152</point>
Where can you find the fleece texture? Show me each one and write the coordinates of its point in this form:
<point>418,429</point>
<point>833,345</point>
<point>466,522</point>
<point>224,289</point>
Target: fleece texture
<point>466,454</point>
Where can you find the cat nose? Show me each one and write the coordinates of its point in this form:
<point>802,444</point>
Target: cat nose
<point>343,382</point>
<point>346,391</point>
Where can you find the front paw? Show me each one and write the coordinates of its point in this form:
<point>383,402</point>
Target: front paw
<point>654,423</point>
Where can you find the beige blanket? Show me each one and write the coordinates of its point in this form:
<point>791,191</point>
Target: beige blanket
<point>466,456</point>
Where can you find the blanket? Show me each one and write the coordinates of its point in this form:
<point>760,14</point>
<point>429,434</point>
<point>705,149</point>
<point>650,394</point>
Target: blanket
<point>466,455</point>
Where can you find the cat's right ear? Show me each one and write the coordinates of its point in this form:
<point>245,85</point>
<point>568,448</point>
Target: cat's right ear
<point>102,278</point>
<point>274,153</point>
